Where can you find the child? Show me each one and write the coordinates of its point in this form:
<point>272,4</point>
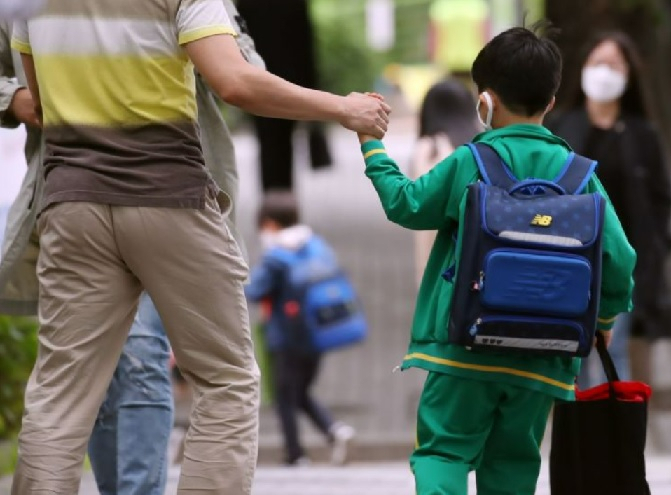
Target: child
<point>295,368</point>
<point>488,411</point>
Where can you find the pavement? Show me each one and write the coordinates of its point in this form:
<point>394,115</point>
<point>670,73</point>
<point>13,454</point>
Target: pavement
<point>374,479</point>
<point>389,478</point>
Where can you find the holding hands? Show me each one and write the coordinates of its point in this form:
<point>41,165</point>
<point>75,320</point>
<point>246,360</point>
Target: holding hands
<point>366,114</point>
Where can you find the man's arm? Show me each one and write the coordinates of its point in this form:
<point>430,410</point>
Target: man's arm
<point>31,77</point>
<point>244,40</point>
<point>218,59</point>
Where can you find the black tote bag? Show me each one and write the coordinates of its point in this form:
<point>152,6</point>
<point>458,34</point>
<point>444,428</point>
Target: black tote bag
<point>598,440</point>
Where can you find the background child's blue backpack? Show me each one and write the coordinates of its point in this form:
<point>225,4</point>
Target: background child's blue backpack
<point>528,274</point>
<point>320,308</point>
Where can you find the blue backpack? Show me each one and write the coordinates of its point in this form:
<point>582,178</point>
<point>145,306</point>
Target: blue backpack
<point>319,306</point>
<point>528,274</point>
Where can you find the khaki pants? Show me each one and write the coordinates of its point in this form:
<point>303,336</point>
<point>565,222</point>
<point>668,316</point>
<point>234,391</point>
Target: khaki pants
<point>94,262</point>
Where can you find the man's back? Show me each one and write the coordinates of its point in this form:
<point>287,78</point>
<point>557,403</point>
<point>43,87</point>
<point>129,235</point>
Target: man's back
<point>117,94</point>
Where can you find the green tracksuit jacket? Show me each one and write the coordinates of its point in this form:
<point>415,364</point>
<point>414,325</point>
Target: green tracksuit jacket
<point>433,202</point>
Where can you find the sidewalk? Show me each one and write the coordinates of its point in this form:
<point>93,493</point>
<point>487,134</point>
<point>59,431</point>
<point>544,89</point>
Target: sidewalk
<point>375,479</point>
<point>364,479</point>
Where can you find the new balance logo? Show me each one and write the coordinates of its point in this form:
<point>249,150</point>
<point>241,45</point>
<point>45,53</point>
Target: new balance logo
<point>541,221</point>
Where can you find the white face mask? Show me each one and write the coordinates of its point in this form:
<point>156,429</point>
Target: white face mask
<point>487,124</point>
<point>601,83</point>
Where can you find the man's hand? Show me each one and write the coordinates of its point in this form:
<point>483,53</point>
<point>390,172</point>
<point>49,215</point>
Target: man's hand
<point>23,108</point>
<point>367,115</point>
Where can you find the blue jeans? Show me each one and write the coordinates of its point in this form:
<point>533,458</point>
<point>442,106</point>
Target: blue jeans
<point>591,372</point>
<point>129,444</point>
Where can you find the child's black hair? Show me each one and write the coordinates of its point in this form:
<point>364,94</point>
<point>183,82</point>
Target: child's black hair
<point>280,207</point>
<point>522,68</point>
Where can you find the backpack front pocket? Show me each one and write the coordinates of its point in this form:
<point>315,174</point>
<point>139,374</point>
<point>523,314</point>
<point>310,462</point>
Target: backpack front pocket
<point>528,281</point>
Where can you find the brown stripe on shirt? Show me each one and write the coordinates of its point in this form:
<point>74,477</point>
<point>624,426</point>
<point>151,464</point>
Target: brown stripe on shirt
<point>158,165</point>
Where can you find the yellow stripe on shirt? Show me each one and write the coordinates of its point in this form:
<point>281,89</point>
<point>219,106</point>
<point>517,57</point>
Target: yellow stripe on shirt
<point>116,91</point>
<point>490,369</point>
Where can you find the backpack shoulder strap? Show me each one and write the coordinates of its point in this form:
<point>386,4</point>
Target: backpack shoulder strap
<point>493,170</point>
<point>577,172</point>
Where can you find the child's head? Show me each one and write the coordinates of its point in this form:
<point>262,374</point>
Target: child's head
<point>517,75</point>
<point>448,109</point>
<point>279,210</point>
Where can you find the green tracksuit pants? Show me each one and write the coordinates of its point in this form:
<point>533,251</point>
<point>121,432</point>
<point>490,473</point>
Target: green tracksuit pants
<point>493,428</point>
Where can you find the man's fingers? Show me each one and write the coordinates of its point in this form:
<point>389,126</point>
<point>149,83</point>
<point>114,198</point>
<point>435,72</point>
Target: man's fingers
<point>383,115</point>
<point>386,107</point>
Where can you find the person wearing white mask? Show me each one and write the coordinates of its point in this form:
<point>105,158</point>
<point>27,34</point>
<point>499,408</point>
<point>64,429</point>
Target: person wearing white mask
<point>606,116</point>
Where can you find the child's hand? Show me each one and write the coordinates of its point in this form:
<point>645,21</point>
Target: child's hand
<point>364,138</point>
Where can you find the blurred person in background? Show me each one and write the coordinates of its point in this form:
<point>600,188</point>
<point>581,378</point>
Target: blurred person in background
<point>293,254</point>
<point>283,33</point>
<point>447,119</point>
<point>129,442</point>
<point>605,116</point>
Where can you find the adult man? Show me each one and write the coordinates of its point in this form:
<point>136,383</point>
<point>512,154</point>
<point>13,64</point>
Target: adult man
<point>128,445</point>
<point>127,206</point>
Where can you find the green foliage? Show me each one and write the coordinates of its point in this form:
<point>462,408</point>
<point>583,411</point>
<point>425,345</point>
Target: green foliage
<point>345,61</point>
<point>8,457</point>
<point>18,350</point>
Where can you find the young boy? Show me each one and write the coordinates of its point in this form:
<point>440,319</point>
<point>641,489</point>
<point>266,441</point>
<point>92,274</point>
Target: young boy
<point>295,367</point>
<point>483,411</point>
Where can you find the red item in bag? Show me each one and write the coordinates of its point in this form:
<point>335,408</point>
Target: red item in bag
<point>625,391</point>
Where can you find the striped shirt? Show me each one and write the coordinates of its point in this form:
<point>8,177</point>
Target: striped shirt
<point>118,99</point>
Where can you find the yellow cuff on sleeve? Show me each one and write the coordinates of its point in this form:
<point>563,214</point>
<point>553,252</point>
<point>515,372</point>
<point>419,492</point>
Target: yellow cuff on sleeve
<point>199,34</point>
<point>22,47</point>
<point>370,153</point>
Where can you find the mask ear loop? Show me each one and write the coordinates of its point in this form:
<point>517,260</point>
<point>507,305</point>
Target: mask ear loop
<point>490,107</point>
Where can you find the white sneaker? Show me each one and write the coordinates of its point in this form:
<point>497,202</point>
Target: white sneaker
<point>342,436</point>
